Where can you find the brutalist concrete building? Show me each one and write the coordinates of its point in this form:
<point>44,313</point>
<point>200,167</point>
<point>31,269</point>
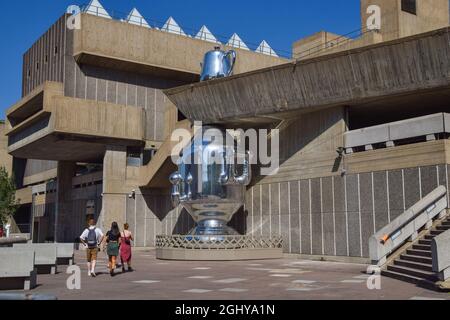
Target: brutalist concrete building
<point>363,127</point>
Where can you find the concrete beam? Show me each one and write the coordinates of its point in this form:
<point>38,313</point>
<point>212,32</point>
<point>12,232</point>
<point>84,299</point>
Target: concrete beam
<point>400,68</point>
<point>150,50</point>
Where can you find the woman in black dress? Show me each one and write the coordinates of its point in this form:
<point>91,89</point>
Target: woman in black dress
<point>112,249</point>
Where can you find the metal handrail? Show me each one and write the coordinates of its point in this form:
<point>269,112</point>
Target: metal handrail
<point>394,235</point>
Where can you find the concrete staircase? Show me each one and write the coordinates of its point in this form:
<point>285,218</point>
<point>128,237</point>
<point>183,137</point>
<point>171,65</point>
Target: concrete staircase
<point>414,263</point>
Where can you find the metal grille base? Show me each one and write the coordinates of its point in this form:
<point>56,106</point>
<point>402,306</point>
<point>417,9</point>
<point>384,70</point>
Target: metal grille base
<point>218,248</point>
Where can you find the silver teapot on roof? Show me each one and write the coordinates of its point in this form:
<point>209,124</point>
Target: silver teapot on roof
<point>218,64</point>
<point>211,182</point>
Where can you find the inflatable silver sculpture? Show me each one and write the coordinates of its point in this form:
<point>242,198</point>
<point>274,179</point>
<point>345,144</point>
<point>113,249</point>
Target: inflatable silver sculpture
<point>218,64</point>
<point>211,182</point>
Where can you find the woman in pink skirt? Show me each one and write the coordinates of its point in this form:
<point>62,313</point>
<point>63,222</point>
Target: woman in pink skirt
<point>125,248</point>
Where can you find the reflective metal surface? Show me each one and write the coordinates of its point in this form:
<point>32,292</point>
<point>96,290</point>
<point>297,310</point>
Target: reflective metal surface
<point>210,184</point>
<point>218,64</point>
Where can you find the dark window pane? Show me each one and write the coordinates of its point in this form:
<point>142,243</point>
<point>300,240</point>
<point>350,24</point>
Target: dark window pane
<point>409,6</point>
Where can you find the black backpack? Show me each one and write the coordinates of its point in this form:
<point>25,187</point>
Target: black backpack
<point>92,239</point>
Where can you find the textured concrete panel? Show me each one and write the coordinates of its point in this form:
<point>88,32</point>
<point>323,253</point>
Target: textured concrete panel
<point>141,93</point>
<point>131,92</point>
<point>395,193</point>
<point>248,209</point>
<point>140,221</point>
<point>429,179</point>
<point>354,228</point>
<point>91,93</point>
<point>275,209</point>
<point>122,93</point>
<point>111,91</point>
<point>442,178</point>
<point>130,215</point>
<point>265,210</point>
<point>257,219</point>
<point>294,217</point>
<point>340,214</point>
<point>80,88</point>
<point>381,199</point>
<point>284,201</point>
<point>316,216</point>
<point>412,186</point>
<point>328,216</point>
<point>101,89</point>
<point>367,217</point>
<point>305,217</point>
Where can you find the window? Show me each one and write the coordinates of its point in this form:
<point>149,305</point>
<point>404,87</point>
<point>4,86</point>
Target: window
<point>134,157</point>
<point>409,6</point>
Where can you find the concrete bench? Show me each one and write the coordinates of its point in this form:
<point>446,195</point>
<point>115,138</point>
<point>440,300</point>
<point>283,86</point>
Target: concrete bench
<point>45,258</point>
<point>65,253</point>
<point>17,270</point>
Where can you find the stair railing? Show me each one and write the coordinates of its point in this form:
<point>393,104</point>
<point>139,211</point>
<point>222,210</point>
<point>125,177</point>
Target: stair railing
<point>406,227</point>
<point>440,253</point>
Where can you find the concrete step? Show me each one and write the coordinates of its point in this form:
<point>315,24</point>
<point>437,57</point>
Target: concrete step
<point>414,265</point>
<point>429,237</point>
<point>413,272</point>
<point>401,276</point>
<point>421,253</point>
<point>418,259</point>
<point>422,247</point>
<point>426,242</point>
<point>431,285</point>
<point>436,232</point>
<point>443,228</point>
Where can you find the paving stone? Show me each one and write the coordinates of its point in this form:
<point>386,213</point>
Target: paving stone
<point>197,291</point>
<point>231,280</point>
<point>233,290</point>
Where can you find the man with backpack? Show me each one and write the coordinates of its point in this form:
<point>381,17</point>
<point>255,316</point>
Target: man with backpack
<point>91,238</point>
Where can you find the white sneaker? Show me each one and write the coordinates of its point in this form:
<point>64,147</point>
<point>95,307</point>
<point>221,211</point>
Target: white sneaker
<point>93,274</point>
<point>89,274</point>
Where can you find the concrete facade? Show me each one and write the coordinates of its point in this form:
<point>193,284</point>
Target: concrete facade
<point>94,113</point>
<point>396,22</point>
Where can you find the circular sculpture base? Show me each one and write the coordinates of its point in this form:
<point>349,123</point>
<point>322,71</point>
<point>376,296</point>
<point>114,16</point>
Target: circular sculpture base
<point>218,248</point>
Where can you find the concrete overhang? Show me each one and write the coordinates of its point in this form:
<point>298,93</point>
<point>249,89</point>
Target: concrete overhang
<point>405,68</point>
<point>153,51</point>
<point>70,129</point>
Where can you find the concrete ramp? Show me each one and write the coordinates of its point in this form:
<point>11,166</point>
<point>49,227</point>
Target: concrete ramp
<point>156,173</point>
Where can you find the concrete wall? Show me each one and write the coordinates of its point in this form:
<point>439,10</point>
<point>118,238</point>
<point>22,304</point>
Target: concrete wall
<point>5,158</point>
<point>337,215</point>
<point>123,88</point>
<point>153,48</point>
<point>395,23</point>
<point>44,61</point>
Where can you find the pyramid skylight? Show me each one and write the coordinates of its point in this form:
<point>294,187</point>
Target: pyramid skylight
<point>136,18</point>
<point>95,8</point>
<point>236,42</point>
<point>206,35</point>
<point>172,26</point>
<point>265,48</point>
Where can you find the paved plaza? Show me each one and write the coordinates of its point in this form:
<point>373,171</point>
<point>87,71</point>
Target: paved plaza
<point>284,279</point>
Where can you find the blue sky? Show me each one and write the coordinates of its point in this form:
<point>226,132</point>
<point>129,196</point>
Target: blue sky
<point>280,22</point>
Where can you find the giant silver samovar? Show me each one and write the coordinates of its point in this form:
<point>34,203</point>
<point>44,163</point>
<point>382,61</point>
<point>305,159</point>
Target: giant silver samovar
<point>211,183</point>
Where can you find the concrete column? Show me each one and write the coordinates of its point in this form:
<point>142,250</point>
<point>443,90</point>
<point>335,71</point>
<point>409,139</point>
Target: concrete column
<point>115,192</point>
<point>63,210</point>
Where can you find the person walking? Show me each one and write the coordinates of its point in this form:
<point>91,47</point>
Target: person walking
<point>125,248</point>
<point>91,238</point>
<point>112,246</point>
